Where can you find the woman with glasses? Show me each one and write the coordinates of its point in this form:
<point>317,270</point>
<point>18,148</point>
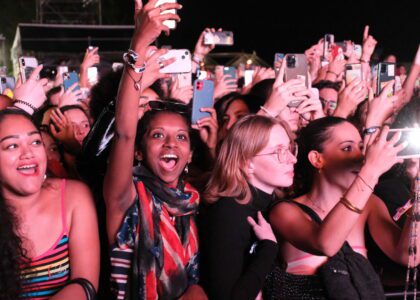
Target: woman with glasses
<point>336,205</point>
<point>238,246</point>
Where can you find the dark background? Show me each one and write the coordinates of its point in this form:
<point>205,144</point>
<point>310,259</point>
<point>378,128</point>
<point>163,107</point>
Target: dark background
<point>267,26</point>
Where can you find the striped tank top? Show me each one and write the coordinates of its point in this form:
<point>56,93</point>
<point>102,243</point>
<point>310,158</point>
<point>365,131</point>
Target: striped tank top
<point>46,274</point>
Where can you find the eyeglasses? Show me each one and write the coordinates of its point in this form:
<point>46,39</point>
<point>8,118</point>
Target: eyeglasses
<point>283,153</point>
<point>166,105</point>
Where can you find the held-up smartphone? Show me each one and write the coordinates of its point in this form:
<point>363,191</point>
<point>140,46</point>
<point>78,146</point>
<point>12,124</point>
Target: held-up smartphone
<point>386,73</point>
<point>224,38</point>
<point>231,72</point>
<point>171,24</point>
<point>3,84</point>
<point>182,64</point>
<point>202,97</point>
<point>248,76</point>
<point>26,66</point>
<point>337,51</point>
<point>357,49</point>
<point>353,71</point>
<point>297,67</point>
<point>92,75</point>
<point>412,137</point>
<point>328,41</point>
<point>69,79</point>
<point>278,57</point>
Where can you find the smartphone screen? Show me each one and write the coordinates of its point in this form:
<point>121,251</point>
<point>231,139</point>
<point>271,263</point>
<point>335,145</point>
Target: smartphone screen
<point>219,38</point>
<point>386,73</point>
<point>412,137</point>
<point>69,79</point>
<point>353,71</point>
<point>202,97</point>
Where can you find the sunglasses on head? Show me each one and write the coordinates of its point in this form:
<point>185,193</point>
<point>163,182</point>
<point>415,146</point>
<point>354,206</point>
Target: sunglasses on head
<point>158,105</point>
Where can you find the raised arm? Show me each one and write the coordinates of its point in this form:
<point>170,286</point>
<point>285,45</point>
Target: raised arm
<point>326,239</point>
<point>119,190</point>
<point>410,81</point>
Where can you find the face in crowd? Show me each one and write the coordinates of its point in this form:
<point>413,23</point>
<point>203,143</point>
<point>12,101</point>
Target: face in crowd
<point>166,147</point>
<point>23,159</point>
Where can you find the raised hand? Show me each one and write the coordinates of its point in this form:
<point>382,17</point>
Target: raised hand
<point>208,129</point>
<point>154,64</point>
<point>71,96</point>
<point>224,85</point>
<point>31,92</point>
<point>201,49</point>
<point>183,94</point>
<point>381,155</point>
<point>149,22</point>
<point>369,44</point>
<point>262,229</point>
<point>283,92</point>
<point>350,98</point>
<point>63,131</point>
<point>311,108</point>
<point>381,107</point>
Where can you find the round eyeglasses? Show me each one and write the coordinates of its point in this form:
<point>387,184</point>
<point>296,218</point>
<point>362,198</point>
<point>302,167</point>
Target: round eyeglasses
<point>283,153</point>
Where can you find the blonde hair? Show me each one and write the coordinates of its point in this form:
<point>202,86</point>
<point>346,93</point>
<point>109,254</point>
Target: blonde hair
<point>245,139</point>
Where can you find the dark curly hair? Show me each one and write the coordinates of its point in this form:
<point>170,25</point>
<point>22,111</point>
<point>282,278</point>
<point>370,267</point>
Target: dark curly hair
<point>12,253</point>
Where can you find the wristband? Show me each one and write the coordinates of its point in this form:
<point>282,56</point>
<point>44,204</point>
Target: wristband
<point>130,58</point>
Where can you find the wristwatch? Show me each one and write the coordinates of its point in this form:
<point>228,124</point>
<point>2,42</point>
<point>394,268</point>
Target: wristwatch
<point>130,58</point>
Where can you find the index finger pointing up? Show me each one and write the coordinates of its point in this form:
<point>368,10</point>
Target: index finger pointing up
<point>366,32</point>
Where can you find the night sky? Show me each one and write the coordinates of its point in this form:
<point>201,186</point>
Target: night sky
<point>268,26</point>
<point>292,26</point>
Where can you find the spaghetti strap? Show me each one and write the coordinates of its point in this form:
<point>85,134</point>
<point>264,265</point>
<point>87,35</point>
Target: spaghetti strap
<point>63,206</point>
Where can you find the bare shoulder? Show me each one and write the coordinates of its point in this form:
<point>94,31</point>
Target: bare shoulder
<point>78,194</point>
<point>285,212</point>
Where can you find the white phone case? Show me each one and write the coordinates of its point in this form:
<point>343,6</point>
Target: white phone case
<point>182,64</point>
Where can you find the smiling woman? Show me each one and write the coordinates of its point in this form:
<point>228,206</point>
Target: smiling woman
<point>35,264</point>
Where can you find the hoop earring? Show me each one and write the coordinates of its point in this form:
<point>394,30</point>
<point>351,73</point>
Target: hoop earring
<point>186,169</point>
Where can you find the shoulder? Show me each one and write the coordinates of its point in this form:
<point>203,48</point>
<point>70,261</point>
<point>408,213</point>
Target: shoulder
<point>77,195</point>
<point>286,212</point>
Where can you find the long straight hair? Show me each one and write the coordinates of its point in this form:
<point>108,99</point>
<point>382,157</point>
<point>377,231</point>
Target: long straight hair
<point>245,139</point>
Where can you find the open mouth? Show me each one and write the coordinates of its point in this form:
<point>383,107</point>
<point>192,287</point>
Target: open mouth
<point>168,161</point>
<point>28,170</point>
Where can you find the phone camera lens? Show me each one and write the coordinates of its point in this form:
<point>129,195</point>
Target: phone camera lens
<point>183,56</point>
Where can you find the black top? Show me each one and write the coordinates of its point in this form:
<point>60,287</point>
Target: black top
<point>234,263</point>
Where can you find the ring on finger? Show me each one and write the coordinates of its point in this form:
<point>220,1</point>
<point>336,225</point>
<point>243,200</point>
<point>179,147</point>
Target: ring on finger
<point>161,65</point>
<point>160,8</point>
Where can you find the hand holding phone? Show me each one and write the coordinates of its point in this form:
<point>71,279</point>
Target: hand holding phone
<point>385,74</point>
<point>171,24</point>
<point>224,38</point>
<point>182,62</point>
<point>411,138</point>
<point>27,65</point>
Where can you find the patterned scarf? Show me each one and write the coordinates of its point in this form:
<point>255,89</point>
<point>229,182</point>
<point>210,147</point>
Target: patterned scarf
<point>166,259</point>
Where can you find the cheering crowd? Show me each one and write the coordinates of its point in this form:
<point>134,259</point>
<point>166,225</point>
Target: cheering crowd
<point>277,191</point>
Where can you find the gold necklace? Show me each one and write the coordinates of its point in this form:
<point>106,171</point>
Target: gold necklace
<point>314,204</point>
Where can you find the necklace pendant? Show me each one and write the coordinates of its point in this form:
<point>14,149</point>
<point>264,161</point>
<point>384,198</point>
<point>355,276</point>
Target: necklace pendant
<point>137,86</point>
